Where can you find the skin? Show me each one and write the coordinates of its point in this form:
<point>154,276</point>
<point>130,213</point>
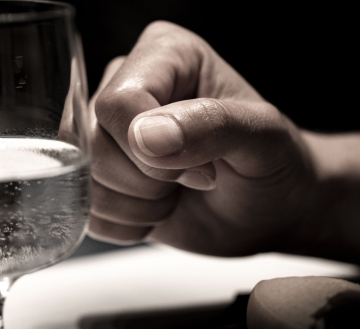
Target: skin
<point>269,185</point>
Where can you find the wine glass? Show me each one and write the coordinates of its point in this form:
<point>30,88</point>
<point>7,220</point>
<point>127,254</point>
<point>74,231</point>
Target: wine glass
<point>44,143</point>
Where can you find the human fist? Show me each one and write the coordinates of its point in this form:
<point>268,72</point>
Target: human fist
<point>187,153</point>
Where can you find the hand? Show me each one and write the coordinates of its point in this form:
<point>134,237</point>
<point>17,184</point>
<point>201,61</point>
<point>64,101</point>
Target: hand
<point>187,153</point>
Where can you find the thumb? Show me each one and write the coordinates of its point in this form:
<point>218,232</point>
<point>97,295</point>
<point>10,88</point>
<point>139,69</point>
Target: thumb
<point>250,136</point>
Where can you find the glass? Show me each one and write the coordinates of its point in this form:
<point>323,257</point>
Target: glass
<point>44,142</point>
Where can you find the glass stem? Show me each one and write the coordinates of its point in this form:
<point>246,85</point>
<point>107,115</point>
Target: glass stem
<point>5,284</point>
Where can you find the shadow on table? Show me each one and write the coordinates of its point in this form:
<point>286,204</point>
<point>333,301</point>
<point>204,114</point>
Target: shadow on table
<point>221,316</point>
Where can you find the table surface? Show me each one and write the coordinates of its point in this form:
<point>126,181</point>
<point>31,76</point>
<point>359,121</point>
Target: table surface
<point>145,278</point>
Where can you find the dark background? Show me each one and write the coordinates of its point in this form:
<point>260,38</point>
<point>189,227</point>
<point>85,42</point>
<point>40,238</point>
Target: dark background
<point>300,57</point>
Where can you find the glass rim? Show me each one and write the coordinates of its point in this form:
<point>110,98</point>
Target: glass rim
<point>56,9</point>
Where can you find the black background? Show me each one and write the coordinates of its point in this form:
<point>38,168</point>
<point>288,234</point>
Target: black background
<point>300,57</point>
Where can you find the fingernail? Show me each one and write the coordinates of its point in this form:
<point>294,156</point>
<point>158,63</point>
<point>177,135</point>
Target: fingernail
<point>197,180</point>
<point>158,136</point>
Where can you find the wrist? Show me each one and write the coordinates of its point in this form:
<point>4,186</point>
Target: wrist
<point>331,221</point>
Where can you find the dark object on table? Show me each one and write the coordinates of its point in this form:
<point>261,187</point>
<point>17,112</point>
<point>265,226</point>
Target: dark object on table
<point>209,317</point>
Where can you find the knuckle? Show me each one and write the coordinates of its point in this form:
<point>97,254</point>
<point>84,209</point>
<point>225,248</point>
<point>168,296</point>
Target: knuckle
<point>215,115</point>
<point>267,117</point>
<point>160,27</point>
<point>115,63</point>
<point>170,35</point>
<point>104,107</point>
<point>269,109</point>
<point>109,110</point>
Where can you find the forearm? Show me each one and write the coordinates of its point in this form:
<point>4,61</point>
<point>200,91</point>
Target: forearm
<point>331,228</point>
